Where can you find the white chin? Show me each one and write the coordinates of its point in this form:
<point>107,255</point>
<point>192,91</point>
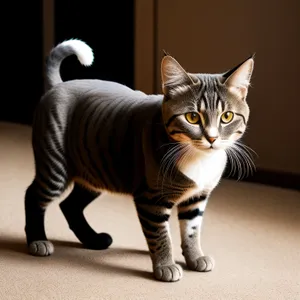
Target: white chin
<point>213,148</point>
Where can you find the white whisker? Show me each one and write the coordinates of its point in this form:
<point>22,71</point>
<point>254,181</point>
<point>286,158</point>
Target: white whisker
<point>240,157</point>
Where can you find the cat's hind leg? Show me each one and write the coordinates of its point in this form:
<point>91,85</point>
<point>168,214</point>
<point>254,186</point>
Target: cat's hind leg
<point>37,198</point>
<point>72,208</point>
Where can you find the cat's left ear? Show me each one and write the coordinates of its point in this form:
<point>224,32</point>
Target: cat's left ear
<point>174,76</point>
<point>237,80</point>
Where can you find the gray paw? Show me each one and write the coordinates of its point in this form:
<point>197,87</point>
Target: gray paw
<point>41,248</point>
<point>168,273</point>
<point>201,264</point>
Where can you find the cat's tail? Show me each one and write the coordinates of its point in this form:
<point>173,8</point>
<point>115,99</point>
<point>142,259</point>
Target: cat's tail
<point>73,46</point>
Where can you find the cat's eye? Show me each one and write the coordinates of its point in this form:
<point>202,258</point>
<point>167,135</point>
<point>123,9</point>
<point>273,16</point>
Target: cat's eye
<point>192,117</point>
<point>227,117</point>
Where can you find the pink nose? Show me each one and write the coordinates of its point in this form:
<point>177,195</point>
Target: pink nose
<point>212,139</point>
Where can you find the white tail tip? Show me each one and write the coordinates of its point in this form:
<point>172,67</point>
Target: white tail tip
<point>83,52</point>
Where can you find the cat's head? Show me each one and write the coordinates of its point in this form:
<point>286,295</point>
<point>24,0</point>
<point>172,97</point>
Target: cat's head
<point>208,111</point>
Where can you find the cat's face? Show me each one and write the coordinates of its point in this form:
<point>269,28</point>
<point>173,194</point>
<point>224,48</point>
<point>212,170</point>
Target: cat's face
<point>208,111</point>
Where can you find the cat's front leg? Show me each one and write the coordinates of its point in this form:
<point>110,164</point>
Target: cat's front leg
<point>154,220</point>
<point>190,215</point>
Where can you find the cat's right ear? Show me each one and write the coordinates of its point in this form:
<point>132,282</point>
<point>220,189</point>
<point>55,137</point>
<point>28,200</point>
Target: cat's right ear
<point>238,79</point>
<point>173,75</point>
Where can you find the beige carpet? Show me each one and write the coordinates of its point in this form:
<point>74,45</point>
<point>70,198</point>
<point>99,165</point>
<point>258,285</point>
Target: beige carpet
<point>253,232</point>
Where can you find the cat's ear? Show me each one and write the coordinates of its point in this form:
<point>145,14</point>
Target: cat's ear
<point>237,80</point>
<point>173,75</point>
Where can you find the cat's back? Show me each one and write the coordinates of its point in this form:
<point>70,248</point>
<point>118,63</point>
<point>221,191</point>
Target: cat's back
<point>99,88</point>
<point>108,103</point>
<point>92,99</point>
<point>71,93</point>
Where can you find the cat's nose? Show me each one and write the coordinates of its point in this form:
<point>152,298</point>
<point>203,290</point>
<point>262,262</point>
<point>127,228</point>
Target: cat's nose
<point>211,139</point>
<point>211,134</point>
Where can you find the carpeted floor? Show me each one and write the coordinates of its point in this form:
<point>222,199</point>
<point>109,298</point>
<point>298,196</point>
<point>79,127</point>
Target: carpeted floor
<point>253,232</point>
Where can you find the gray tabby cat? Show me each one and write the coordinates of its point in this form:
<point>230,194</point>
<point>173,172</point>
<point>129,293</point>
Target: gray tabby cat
<point>165,150</point>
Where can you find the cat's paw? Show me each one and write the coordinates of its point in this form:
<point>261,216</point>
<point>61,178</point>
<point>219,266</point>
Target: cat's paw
<point>99,241</point>
<point>168,273</point>
<point>41,248</point>
<point>201,264</point>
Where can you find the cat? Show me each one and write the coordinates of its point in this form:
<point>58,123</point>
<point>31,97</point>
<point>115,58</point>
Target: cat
<point>164,150</point>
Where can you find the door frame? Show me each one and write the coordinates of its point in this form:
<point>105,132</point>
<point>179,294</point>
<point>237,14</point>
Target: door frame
<point>145,45</point>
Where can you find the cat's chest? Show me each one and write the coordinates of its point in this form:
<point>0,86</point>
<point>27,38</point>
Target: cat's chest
<point>204,170</point>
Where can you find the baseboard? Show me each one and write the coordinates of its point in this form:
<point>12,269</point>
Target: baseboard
<point>273,178</point>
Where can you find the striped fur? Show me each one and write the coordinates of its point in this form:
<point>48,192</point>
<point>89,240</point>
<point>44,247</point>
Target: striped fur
<point>103,136</point>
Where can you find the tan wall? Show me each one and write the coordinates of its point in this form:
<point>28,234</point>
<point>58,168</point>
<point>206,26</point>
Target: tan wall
<point>212,36</point>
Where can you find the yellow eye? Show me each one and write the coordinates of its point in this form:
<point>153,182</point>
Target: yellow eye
<point>227,117</point>
<point>192,117</point>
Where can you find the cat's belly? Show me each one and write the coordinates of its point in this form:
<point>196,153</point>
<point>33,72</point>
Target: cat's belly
<point>205,170</point>
<point>97,187</point>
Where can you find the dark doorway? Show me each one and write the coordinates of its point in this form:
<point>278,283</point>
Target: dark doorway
<point>22,60</point>
<point>107,27</point>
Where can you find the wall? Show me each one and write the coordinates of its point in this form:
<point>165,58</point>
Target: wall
<point>213,36</point>
<point>21,63</point>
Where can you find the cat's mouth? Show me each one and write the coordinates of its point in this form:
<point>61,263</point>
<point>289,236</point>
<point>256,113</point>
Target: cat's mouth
<point>208,147</point>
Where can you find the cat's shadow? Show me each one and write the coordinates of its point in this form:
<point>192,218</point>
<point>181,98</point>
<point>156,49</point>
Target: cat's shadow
<point>15,249</point>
